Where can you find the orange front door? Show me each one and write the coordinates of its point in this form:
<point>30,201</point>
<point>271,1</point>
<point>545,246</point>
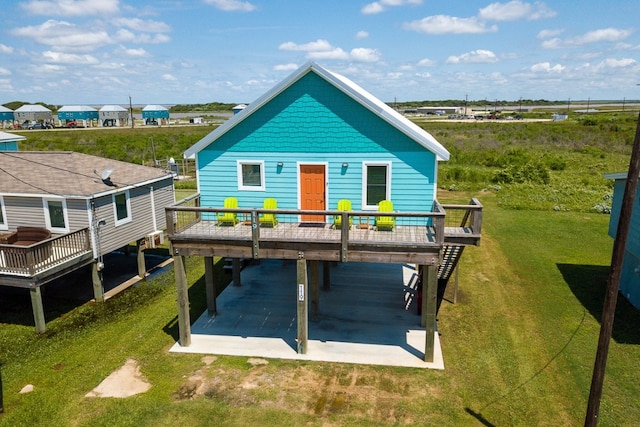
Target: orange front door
<point>312,194</point>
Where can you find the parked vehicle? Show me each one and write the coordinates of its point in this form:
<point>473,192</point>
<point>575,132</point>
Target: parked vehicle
<point>39,126</point>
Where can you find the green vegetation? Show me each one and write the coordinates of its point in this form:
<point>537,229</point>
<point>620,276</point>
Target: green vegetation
<point>518,345</point>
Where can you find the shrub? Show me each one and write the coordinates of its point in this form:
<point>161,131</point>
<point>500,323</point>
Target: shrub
<point>532,172</point>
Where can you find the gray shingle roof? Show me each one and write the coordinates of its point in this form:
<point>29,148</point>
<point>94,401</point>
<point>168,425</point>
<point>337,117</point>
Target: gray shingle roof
<point>68,173</point>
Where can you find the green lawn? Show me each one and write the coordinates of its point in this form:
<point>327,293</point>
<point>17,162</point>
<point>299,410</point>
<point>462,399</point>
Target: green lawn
<point>518,347</point>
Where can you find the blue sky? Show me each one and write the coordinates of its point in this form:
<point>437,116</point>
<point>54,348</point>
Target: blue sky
<point>96,52</point>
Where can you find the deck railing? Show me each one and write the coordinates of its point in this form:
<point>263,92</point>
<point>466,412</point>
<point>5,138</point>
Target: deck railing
<point>189,221</point>
<point>39,257</point>
<point>465,216</point>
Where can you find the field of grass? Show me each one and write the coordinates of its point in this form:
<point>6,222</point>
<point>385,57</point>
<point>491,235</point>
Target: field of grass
<point>518,345</point>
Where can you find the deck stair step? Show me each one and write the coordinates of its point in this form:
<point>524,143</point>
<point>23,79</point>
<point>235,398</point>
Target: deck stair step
<point>450,258</point>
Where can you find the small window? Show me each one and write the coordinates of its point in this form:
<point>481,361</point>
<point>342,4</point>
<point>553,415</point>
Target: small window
<point>251,175</point>
<point>376,184</point>
<point>3,216</point>
<point>122,208</point>
<point>55,215</point>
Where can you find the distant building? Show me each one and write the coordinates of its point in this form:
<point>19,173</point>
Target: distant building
<point>69,115</point>
<point>238,108</point>
<point>33,113</point>
<point>440,110</point>
<point>113,115</point>
<point>6,116</point>
<point>9,141</point>
<point>155,114</point>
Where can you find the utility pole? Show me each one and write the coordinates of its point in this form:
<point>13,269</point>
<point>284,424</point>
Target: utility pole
<point>588,101</point>
<point>611,295</point>
<point>131,111</point>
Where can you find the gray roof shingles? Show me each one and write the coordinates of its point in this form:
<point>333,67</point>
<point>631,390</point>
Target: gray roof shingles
<point>66,173</point>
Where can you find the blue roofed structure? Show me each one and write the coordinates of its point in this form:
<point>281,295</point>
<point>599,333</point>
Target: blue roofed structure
<point>6,116</point>
<point>9,141</point>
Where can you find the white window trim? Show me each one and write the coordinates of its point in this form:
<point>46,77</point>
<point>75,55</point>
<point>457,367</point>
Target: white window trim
<point>239,164</point>
<point>128,218</point>
<point>366,207</point>
<point>4,225</point>
<point>47,217</point>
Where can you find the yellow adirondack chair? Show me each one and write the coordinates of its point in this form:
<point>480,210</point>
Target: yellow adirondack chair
<point>343,205</point>
<point>229,218</point>
<point>269,219</point>
<point>385,222</point>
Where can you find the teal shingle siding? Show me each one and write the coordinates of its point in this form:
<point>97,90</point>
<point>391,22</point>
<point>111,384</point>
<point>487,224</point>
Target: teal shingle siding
<point>312,121</point>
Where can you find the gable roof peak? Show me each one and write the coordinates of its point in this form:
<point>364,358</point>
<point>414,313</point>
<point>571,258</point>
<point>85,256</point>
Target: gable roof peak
<point>346,86</point>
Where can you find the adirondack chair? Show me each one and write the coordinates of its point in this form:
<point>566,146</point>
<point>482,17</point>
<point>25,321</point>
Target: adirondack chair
<point>343,205</point>
<point>229,218</point>
<point>269,219</point>
<point>385,222</point>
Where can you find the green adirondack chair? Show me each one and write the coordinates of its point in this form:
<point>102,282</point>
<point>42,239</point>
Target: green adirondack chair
<point>229,218</point>
<point>269,219</point>
<point>385,222</point>
<point>343,205</point>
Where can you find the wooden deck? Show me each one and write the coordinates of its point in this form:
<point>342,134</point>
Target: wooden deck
<point>416,237</point>
<point>34,265</point>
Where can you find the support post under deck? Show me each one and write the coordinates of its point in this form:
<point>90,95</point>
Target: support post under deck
<point>314,273</point>
<point>38,309</point>
<point>142,268</point>
<point>184,321</point>
<point>303,315</point>
<point>96,278</point>
<point>210,286</point>
<point>430,305</point>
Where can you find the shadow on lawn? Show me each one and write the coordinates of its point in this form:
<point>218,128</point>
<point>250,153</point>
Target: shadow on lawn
<point>588,283</point>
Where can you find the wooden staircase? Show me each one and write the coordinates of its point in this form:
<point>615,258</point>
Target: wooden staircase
<point>451,256</point>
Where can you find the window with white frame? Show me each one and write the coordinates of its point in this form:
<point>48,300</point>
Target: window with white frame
<point>55,215</point>
<point>3,216</point>
<point>376,183</point>
<point>121,208</point>
<point>250,175</point>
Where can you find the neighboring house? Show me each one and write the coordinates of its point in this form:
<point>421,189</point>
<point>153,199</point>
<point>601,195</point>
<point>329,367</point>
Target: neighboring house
<point>33,113</point>
<point>70,115</point>
<point>89,205</point>
<point>113,115</point>
<point>314,139</point>
<point>6,117</point>
<point>630,274</point>
<point>9,141</point>
<point>155,114</point>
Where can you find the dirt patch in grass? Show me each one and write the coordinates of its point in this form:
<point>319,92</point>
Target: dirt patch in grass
<point>319,391</point>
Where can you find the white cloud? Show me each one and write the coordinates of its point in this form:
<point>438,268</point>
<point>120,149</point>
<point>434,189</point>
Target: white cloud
<point>515,10</point>
<point>72,7</point>
<point>616,63</point>
<point>286,67</point>
<point>423,75</point>
<point>6,49</point>
<point>553,43</point>
<point>382,5</point>
<point>362,54</point>
<point>545,67</point>
<point>475,56</point>
<point>147,26</point>
<point>323,50</point>
<point>51,68</point>
<point>68,58</point>
<point>362,35</point>
<point>316,46</point>
<point>64,36</point>
<point>443,24</point>
<point>136,53</point>
<point>4,72</point>
<point>601,35</point>
<point>545,34</point>
<point>232,5</point>
<point>426,62</point>
<point>169,77</point>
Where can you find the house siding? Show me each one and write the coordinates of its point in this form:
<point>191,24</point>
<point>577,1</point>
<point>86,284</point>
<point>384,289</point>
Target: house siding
<point>114,237</point>
<point>312,121</point>
<point>630,273</point>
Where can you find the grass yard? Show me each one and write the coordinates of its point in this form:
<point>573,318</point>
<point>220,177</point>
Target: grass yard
<point>518,346</point>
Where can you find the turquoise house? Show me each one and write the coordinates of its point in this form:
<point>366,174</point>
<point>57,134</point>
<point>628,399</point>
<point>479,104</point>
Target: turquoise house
<point>314,139</point>
<point>630,275</point>
<point>9,141</point>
